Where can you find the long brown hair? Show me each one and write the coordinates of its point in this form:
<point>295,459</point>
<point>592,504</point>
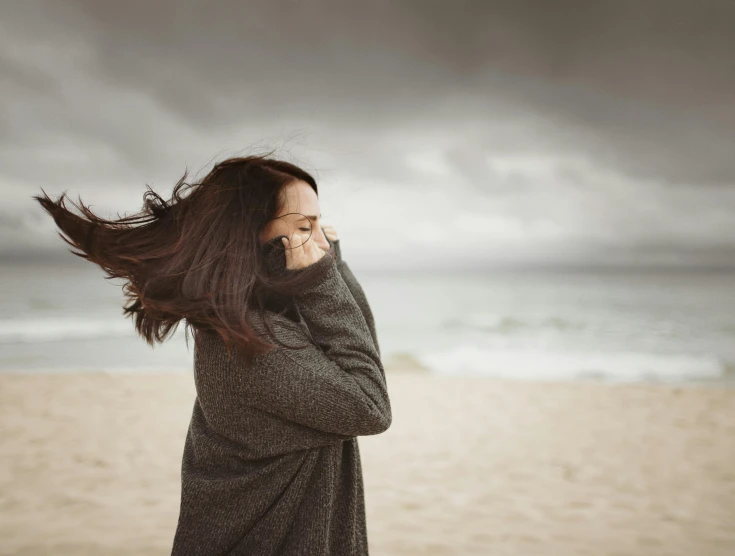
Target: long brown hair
<point>197,256</point>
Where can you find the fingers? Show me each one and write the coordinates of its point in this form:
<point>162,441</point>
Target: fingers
<point>294,250</point>
<point>316,251</point>
<point>289,256</point>
<point>311,252</point>
<point>330,232</point>
<point>303,254</point>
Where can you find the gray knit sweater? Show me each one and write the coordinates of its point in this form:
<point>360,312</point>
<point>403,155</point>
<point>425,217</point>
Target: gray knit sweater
<point>271,464</point>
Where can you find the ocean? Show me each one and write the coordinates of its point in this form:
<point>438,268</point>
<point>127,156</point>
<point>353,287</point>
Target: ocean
<point>614,326</point>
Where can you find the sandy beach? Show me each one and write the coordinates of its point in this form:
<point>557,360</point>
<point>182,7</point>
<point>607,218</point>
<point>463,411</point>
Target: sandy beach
<point>91,465</point>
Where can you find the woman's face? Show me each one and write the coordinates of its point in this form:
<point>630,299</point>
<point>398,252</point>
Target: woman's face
<point>297,197</point>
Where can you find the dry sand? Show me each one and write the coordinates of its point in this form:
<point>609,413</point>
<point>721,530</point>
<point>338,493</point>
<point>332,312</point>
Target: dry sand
<point>91,463</point>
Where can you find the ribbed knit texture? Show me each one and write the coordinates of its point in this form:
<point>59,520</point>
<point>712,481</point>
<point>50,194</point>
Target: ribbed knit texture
<point>271,463</point>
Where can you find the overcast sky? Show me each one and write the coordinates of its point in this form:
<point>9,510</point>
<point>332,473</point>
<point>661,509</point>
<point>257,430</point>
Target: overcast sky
<point>468,133</point>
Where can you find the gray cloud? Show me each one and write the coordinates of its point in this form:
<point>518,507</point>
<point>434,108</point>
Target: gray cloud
<point>529,106</point>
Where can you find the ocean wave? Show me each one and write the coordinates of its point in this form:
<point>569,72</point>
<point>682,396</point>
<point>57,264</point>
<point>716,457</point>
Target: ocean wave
<point>14,331</point>
<point>508,325</point>
<point>542,365</point>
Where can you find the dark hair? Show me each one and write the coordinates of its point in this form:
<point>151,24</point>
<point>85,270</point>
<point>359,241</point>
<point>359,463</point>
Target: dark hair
<point>197,257</point>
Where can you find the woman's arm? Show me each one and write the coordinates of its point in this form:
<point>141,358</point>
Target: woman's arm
<point>356,290</point>
<point>336,385</point>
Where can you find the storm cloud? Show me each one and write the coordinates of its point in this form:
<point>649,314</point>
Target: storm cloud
<point>549,132</point>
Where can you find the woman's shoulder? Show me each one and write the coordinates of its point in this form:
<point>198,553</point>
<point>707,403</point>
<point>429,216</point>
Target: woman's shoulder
<point>264,324</point>
<point>273,328</point>
<point>278,323</point>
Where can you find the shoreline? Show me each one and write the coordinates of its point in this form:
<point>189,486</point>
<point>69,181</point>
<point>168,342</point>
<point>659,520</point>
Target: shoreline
<point>726,383</point>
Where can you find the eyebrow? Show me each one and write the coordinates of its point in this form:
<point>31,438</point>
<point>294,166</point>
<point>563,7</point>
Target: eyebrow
<point>310,217</point>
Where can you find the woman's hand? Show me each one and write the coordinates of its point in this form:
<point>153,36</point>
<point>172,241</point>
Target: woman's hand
<point>303,255</point>
<point>330,232</point>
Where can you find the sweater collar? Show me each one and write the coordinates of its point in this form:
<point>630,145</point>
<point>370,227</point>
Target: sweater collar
<point>274,262</point>
<point>274,255</point>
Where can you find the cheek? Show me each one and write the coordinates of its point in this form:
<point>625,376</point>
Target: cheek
<point>281,228</point>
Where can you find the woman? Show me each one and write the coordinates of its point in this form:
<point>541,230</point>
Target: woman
<point>287,365</point>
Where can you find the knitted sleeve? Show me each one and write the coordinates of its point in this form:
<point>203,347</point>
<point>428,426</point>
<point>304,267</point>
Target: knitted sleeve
<point>357,292</point>
<point>337,384</point>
